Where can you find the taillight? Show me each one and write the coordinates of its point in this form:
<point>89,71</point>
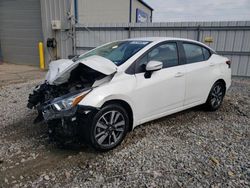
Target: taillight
<point>228,63</point>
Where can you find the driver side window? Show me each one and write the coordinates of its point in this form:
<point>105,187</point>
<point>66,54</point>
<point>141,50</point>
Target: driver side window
<point>166,53</point>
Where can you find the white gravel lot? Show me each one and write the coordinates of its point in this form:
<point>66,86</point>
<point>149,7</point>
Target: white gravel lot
<point>193,148</point>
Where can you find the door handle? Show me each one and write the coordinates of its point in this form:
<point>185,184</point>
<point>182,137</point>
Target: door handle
<point>179,74</point>
<point>211,64</point>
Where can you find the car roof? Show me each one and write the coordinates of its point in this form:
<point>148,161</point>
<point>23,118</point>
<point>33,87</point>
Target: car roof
<point>158,39</point>
<point>162,39</point>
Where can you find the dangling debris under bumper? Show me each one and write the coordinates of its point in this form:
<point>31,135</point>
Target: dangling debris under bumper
<point>67,126</point>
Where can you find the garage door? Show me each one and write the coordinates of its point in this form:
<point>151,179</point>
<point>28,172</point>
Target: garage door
<point>20,31</point>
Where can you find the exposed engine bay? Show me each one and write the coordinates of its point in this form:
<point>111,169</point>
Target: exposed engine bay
<point>66,84</point>
<point>81,77</point>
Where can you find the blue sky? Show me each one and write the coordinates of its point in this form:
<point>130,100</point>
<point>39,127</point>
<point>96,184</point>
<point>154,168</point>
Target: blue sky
<point>200,10</point>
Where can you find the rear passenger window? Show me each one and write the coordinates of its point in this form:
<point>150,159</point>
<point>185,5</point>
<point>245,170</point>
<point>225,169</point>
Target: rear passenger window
<point>194,53</point>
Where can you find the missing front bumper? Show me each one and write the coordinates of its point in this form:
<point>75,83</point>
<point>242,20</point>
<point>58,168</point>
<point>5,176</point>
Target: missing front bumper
<point>68,125</point>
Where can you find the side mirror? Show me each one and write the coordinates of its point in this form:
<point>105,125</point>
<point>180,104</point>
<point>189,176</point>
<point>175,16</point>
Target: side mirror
<point>154,66</point>
<point>151,67</point>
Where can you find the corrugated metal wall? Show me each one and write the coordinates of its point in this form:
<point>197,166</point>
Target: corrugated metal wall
<point>24,23</point>
<point>94,11</point>
<point>231,39</point>
<point>57,10</point>
<point>20,30</point>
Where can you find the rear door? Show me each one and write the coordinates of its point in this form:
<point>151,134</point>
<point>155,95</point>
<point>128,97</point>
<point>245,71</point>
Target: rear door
<point>198,73</point>
<point>164,90</point>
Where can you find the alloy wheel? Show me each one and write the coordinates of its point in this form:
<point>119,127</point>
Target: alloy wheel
<point>216,96</point>
<point>109,128</point>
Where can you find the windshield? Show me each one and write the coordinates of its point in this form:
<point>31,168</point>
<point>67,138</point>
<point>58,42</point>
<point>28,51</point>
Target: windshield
<point>117,52</point>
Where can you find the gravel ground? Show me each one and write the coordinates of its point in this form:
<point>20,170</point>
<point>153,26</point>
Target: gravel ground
<point>193,148</point>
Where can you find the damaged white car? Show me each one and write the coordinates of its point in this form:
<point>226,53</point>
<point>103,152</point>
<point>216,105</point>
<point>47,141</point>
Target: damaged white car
<point>101,95</point>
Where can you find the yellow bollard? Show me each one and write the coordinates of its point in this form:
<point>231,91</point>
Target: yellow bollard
<point>41,56</point>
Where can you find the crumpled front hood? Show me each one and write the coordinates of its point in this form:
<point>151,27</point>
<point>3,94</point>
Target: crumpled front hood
<point>59,70</point>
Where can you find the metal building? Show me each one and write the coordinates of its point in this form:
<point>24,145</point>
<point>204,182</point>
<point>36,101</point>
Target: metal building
<point>23,23</point>
<point>114,11</point>
<point>20,30</point>
<point>70,27</point>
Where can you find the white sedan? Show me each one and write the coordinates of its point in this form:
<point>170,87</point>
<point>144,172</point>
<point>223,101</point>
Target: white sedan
<point>99,96</point>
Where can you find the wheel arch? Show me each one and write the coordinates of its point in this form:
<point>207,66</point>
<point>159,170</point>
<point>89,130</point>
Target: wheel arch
<point>223,82</point>
<point>126,106</point>
<point>216,81</point>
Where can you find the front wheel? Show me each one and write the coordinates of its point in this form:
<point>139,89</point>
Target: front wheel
<point>109,127</point>
<point>216,96</point>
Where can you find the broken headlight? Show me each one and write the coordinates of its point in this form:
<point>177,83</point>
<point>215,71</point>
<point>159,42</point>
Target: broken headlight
<point>69,102</point>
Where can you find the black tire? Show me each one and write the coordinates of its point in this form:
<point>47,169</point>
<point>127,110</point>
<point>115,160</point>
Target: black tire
<point>215,96</point>
<point>105,135</point>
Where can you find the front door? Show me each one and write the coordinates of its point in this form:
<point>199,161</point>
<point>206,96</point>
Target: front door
<point>164,90</point>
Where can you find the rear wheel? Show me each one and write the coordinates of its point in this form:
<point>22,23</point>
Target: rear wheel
<point>109,127</point>
<point>216,96</point>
